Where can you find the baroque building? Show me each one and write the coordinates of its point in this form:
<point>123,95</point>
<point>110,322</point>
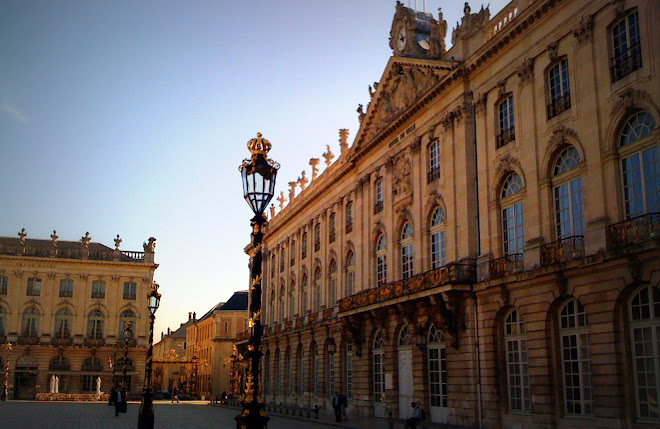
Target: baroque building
<point>488,245</point>
<point>64,306</point>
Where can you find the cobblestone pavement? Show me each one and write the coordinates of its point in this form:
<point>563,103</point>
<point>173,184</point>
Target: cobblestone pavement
<point>188,415</point>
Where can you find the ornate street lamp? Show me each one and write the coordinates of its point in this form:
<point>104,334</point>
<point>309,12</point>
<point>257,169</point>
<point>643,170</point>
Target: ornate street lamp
<point>258,174</point>
<point>5,387</point>
<point>146,415</point>
<point>127,336</point>
<point>113,365</point>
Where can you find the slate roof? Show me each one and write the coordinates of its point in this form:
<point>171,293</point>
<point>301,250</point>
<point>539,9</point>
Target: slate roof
<point>237,302</point>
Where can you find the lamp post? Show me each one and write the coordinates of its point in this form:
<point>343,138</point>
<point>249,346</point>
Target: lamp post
<point>127,336</point>
<point>146,415</point>
<point>258,174</point>
<point>5,387</point>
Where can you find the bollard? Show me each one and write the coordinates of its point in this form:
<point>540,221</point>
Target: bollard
<point>316,411</point>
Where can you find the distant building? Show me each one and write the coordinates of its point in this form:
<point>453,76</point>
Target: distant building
<point>488,245</point>
<point>169,355</point>
<point>64,304</point>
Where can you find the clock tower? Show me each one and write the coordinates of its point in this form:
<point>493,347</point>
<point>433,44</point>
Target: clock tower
<point>417,34</point>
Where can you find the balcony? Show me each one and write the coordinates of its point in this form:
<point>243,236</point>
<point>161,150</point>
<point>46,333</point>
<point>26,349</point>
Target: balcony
<point>28,340</point>
<point>432,175</point>
<point>506,137</point>
<point>66,293</point>
<point>558,106</point>
<point>563,250</point>
<point>378,207</point>
<point>453,273</point>
<point>626,62</point>
<point>129,296</point>
<point>33,292</point>
<point>95,342</point>
<point>61,341</point>
<point>633,231</point>
<point>505,266</point>
<point>99,295</point>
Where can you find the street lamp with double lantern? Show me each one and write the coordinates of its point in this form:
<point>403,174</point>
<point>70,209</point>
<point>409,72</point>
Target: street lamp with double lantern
<point>146,415</point>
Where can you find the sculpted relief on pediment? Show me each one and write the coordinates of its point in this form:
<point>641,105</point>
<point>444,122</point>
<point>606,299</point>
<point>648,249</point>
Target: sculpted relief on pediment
<point>407,85</point>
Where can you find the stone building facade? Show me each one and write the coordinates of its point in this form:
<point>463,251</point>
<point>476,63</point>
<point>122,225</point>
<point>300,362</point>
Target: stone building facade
<point>170,360</point>
<point>488,245</point>
<point>64,306</point>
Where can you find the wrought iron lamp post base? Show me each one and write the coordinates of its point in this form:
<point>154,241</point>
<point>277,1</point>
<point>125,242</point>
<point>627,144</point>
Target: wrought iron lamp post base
<point>146,415</point>
<point>252,417</point>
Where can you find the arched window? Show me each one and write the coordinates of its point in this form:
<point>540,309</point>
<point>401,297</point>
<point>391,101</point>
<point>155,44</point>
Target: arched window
<point>288,377</point>
<point>515,349</point>
<point>124,317</point>
<point>350,274</point>
<point>407,251</point>
<point>404,336</point>
<point>627,46</point>
<point>278,385</point>
<point>513,232</point>
<point>569,197</point>
<point>381,261</point>
<point>437,368</point>
<point>3,322</point>
<point>59,363</point>
<point>332,292</point>
<point>349,217</point>
<point>95,324</point>
<point>317,296</point>
<point>63,321</point>
<point>506,125</point>
<point>30,326</point>
<point>640,168</point>
<point>645,337</point>
<point>378,368</point>
<point>576,363</point>
<point>437,243</point>
<point>303,294</point>
<point>331,372</point>
<point>378,197</point>
<point>315,368</point>
<point>349,370</point>
<point>434,161</point>
<point>292,299</point>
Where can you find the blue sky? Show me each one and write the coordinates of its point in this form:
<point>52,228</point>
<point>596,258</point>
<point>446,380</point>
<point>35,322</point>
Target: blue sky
<point>131,118</point>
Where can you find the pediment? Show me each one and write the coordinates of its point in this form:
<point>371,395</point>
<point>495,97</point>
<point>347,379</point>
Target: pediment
<point>404,82</point>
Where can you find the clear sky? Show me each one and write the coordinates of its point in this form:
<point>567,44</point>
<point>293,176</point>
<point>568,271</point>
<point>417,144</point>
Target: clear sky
<point>131,118</point>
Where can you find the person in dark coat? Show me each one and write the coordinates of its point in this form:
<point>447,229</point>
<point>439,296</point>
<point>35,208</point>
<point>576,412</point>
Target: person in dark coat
<point>124,405</point>
<point>336,405</point>
<point>118,399</point>
<point>113,396</point>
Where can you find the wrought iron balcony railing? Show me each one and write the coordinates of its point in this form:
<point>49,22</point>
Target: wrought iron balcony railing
<point>98,294</point>
<point>66,293</point>
<point>94,342</point>
<point>506,137</point>
<point>432,175</point>
<point>626,62</point>
<point>28,340</point>
<point>636,230</point>
<point>61,341</point>
<point>563,250</point>
<point>505,266</point>
<point>33,292</point>
<point>559,105</point>
<point>378,207</point>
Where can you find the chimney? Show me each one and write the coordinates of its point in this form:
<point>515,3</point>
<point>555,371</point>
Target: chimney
<point>161,335</point>
<point>195,316</point>
<point>189,315</point>
<point>168,331</point>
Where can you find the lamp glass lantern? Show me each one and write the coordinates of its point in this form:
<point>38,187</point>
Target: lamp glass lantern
<point>154,301</point>
<point>420,339</point>
<point>258,174</point>
<point>332,348</point>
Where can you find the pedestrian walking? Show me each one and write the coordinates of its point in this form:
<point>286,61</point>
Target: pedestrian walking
<point>124,403</point>
<point>175,395</point>
<point>118,399</point>
<point>336,405</point>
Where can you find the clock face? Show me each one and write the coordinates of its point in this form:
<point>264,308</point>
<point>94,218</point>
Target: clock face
<point>401,40</point>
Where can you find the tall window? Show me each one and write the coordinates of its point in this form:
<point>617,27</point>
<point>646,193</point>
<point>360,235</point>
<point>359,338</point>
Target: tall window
<point>434,161</point>
<point>627,46</point>
<point>30,323</point>
<point>268,388</point>
<point>381,262</point>
<point>349,370</point>
<point>507,132</point>
<point>34,286</point>
<point>4,283</point>
<point>645,336</point>
<point>316,292</point>
<point>437,368</point>
<point>317,237</point>
<point>282,258</point>
<point>331,374</point>
<point>314,364</point>
<point>95,324</point>
<point>437,251</point>
<point>272,265</point>
<point>3,322</point>
<point>98,289</point>
<point>558,86</point>
<point>292,253</point>
<point>292,299</point>
<point>349,217</point>
<point>130,289</point>
<point>569,198</point>
<point>379,196</point>
<point>66,288</point>
<point>576,363</point>
<point>280,306</point>
<point>301,369</point>
<point>303,294</point>
<point>271,307</point>
<point>332,292</point>
<point>288,379</point>
<point>63,321</point>
<point>278,385</point>
<point>515,345</point>
<point>407,251</point>
<point>640,168</point>
<point>513,232</point>
<point>331,226</point>
<point>126,316</point>
<point>303,251</point>
<point>350,274</point>
<point>378,368</point>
